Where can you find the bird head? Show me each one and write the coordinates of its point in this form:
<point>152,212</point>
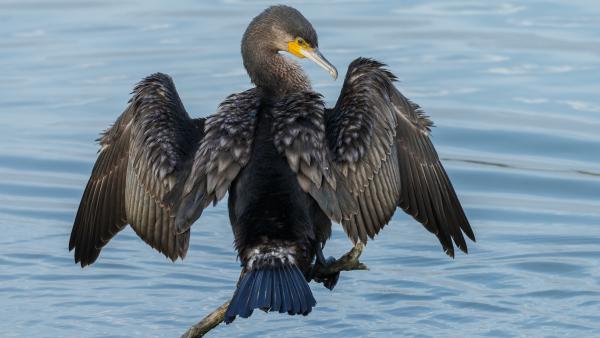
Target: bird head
<point>284,29</point>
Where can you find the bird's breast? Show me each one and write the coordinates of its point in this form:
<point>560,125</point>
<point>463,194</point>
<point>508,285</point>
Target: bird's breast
<point>266,199</point>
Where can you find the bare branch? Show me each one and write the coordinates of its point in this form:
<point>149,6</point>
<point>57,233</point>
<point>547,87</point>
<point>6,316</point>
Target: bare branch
<point>347,262</point>
<point>207,323</point>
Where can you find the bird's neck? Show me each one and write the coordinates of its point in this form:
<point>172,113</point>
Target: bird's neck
<point>275,74</point>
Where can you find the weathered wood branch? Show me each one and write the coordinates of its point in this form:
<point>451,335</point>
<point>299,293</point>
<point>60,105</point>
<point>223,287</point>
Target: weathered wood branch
<point>207,323</point>
<point>347,262</point>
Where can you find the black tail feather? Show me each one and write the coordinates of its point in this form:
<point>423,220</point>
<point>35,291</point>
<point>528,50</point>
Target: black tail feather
<point>278,297</point>
<point>282,289</point>
<point>298,302</point>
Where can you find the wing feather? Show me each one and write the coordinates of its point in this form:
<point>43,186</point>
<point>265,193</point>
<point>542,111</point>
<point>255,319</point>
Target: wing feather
<point>224,151</point>
<point>141,155</point>
<point>379,141</point>
<point>299,135</point>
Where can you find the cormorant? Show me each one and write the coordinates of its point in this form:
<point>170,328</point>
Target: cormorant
<point>290,165</point>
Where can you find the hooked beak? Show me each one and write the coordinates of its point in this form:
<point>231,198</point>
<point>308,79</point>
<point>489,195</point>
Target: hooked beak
<point>315,56</point>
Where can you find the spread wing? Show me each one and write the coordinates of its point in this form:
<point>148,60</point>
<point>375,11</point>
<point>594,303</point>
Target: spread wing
<point>142,157</point>
<point>379,141</point>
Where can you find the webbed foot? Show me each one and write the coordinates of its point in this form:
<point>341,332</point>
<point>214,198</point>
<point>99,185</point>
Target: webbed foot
<point>329,281</point>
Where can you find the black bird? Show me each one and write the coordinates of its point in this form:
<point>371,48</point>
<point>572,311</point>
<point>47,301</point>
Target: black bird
<point>290,165</point>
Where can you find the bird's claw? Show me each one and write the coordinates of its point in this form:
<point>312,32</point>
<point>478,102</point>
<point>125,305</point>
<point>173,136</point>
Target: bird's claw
<point>328,281</point>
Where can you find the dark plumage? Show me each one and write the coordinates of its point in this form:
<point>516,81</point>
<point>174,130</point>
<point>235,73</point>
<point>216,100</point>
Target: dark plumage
<point>290,165</point>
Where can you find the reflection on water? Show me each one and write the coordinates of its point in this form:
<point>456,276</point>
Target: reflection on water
<point>512,87</point>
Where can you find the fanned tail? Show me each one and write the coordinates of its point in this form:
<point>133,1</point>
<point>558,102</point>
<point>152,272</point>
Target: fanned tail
<point>282,289</point>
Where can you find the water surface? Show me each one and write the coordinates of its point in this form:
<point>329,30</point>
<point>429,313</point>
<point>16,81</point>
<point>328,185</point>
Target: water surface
<point>513,89</point>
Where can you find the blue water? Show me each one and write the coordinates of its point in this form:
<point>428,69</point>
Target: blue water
<point>513,88</point>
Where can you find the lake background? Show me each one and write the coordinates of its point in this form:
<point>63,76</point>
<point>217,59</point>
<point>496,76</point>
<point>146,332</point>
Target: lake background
<point>513,88</point>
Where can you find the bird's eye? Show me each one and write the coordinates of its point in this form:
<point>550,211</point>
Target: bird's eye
<point>300,41</point>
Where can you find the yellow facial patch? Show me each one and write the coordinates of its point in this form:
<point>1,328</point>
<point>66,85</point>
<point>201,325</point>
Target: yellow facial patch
<point>297,45</point>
